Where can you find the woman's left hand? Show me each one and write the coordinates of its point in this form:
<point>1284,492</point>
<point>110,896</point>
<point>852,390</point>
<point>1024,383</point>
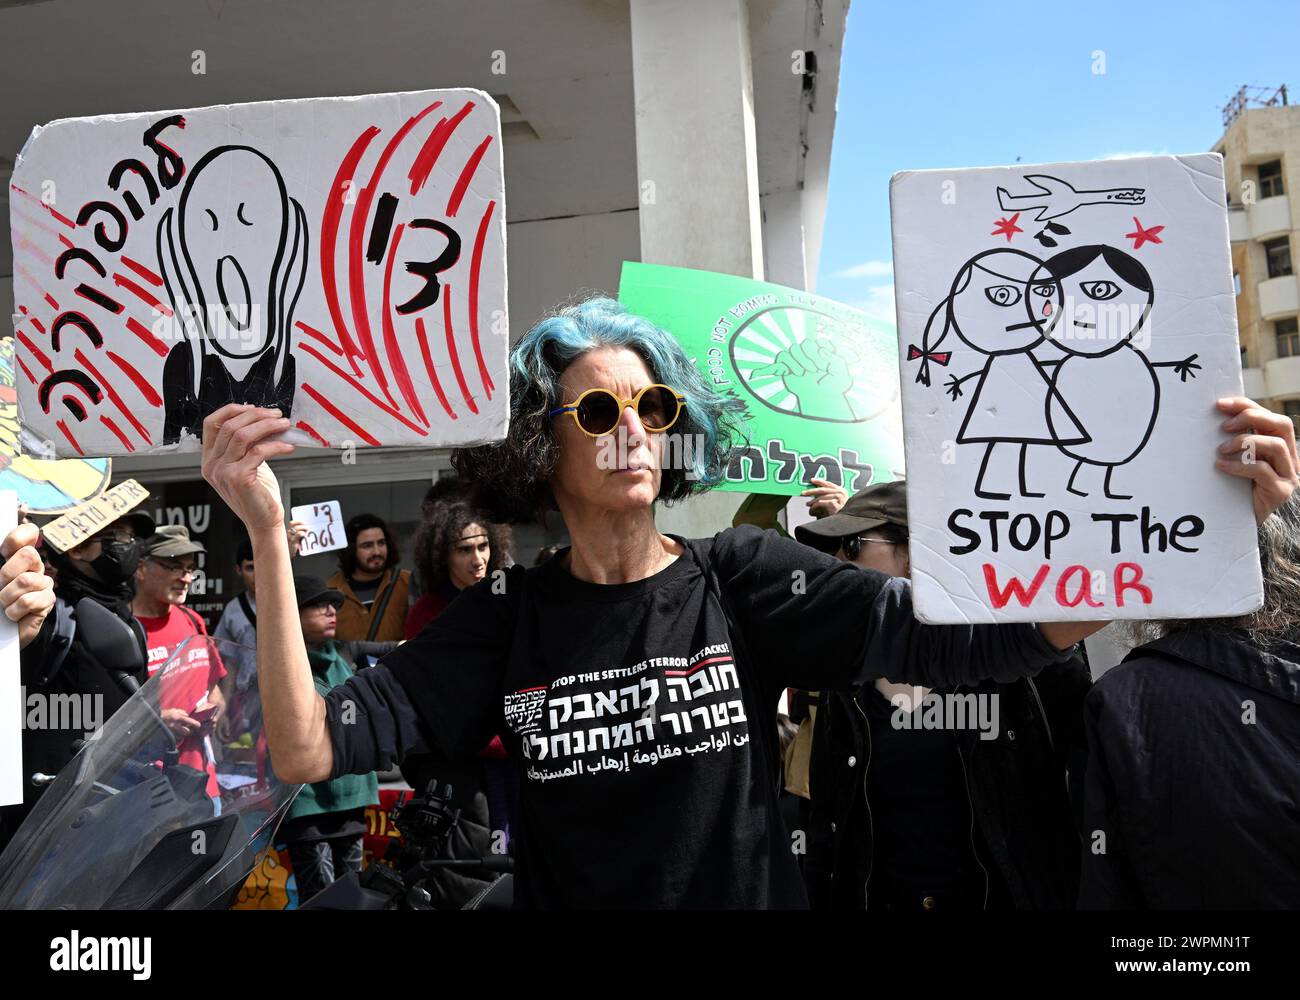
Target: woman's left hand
<point>1262,449</point>
<point>26,593</point>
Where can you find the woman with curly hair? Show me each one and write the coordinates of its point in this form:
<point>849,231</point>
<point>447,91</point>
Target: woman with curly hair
<point>634,675</point>
<point>456,546</point>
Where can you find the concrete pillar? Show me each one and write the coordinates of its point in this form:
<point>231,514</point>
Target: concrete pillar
<point>696,157</point>
<point>697,164</point>
<point>783,238</point>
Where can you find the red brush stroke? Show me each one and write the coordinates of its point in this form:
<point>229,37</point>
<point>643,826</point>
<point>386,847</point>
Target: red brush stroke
<point>30,377</point>
<point>145,334</point>
<point>429,367</point>
<point>339,415</point>
<point>329,228</point>
<point>107,386</point>
<point>451,349</point>
<point>23,242</point>
<point>31,220</point>
<point>145,296</point>
<point>107,421</point>
<point>462,182</point>
<point>400,375</point>
<point>37,353</point>
<point>22,272</point>
<point>141,383</point>
<point>50,299</point>
<point>68,434</point>
<point>390,410</point>
<point>142,271</point>
<point>22,309</point>
<point>304,426</point>
<point>40,327</point>
<point>62,218</point>
<point>357,263</point>
<point>433,146</point>
<point>479,240</point>
<point>312,332</point>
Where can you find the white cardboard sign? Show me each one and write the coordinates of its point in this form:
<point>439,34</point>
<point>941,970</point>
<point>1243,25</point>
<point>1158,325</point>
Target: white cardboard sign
<point>1065,330</point>
<point>342,259</point>
<point>12,708</point>
<point>324,526</point>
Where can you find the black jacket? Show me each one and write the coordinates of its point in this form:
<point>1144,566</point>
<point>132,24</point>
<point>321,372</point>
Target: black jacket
<point>1192,795</point>
<point>1025,835</point>
<point>67,693</point>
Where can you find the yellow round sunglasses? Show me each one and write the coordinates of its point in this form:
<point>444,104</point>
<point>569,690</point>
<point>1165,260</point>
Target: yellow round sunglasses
<point>598,411</point>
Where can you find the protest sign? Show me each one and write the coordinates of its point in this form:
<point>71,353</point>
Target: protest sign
<point>12,709</point>
<point>44,486</point>
<point>1065,331</point>
<point>342,259</point>
<point>323,524</point>
<point>819,380</point>
<point>82,522</point>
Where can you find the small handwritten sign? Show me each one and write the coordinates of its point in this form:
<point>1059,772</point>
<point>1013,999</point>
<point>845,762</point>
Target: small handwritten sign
<point>79,524</point>
<point>324,526</point>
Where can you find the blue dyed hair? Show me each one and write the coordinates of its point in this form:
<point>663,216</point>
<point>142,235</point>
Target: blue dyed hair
<point>512,475</point>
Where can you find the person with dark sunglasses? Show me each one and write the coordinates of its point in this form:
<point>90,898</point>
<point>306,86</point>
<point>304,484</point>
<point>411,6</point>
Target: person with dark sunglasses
<point>635,675</point>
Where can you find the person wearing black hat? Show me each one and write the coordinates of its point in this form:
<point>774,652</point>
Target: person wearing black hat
<point>970,814</point>
<point>324,827</point>
<point>65,672</point>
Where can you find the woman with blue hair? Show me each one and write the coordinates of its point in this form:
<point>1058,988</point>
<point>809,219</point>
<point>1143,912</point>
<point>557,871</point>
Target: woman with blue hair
<point>635,675</point>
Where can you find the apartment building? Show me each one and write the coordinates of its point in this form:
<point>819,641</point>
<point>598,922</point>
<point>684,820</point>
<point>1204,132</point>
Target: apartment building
<point>1261,152</point>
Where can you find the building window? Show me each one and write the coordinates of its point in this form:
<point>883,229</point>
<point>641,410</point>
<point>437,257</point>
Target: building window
<point>1277,255</point>
<point>1291,407</point>
<point>1270,179</point>
<point>1288,338</point>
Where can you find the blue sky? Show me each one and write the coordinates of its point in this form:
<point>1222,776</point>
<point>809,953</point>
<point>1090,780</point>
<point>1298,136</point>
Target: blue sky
<point>981,83</point>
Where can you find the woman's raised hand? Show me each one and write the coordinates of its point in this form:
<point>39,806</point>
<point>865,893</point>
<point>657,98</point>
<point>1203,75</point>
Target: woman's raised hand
<point>237,442</point>
<point>1262,449</point>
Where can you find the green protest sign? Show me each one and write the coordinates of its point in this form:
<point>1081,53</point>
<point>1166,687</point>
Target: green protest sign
<point>819,380</point>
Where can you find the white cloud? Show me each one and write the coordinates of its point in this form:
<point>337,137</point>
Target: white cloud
<point>1129,156</point>
<point>878,304</point>
<point>868,269</point>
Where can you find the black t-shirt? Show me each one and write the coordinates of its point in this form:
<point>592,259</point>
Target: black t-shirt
<point>643,729</point>
<point>365,592</point>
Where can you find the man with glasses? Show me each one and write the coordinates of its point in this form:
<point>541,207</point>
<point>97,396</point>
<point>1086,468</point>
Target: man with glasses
<point>190,698</point>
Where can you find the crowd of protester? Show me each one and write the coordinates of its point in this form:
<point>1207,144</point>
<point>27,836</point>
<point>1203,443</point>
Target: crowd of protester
<point>1141,789</point>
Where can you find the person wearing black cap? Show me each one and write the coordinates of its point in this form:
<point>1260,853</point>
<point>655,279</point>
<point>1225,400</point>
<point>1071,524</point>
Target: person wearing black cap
<point>324,827</point>
<point>65,672</point>
<point>906,816</point>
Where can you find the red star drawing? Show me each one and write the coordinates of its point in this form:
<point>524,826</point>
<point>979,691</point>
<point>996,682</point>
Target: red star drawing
<point>1007,227</point>
<point>1144,235</point>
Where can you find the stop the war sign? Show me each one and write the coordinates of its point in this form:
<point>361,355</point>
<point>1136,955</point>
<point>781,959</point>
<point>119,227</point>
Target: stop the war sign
<point>1065,330</point>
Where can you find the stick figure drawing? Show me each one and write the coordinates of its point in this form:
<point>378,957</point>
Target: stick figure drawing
<point>1108,296</point>
<point>999,304</point>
